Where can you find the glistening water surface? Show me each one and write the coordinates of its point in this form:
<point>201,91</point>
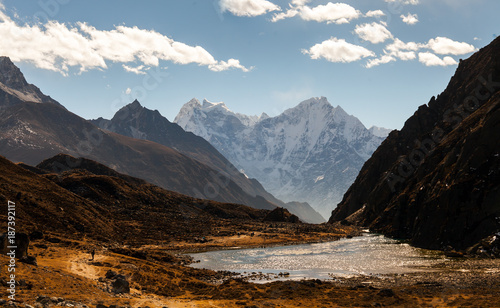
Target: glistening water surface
<point>369,254</point>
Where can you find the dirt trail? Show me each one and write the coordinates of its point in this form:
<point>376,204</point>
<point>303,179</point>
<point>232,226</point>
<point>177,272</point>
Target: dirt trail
<point>82,265</point>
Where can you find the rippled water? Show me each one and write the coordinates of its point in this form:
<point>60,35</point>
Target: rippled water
<point>364,255</point>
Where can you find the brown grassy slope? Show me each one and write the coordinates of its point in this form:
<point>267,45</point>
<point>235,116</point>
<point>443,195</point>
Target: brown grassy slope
<point>44,205</point>
<point>107,205</point>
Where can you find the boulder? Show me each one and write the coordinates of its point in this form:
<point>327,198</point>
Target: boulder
<point>120,285</point>
<point>21,241</point>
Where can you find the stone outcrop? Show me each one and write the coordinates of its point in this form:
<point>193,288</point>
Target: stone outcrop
<point>437,181</point>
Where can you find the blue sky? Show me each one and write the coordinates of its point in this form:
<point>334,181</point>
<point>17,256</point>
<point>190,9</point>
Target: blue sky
<point>378,59</point>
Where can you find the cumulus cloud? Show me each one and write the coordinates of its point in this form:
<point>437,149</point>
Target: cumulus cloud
<point>248,8</point>
<point>382,60</point>
<point>446,46</point>
<point>376,13</point>
<point>408,51</point>
<point>374,33</point>
<point>430,59</point>
<point>410,19</point>
<point>398,45</point>
<point>397,50</point>
<point>56,46</point>
<point>338,13</point>
<point>300,2</point>
<point>224,66</point>
<point>139,70</point>
<point>405,2</point>
<point>338,50</point>
<point>288,14</point>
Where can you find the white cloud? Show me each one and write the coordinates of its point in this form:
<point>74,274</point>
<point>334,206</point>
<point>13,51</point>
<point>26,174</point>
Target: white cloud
<point>57,47</point>
<point>408,51</point>
<point>396,50</point>
<point>338,50</point>
<point>376,13</point>
<point>248,8</point>
<point>338,13</point>
<point>224,66</point>
<point>374,33</point>
<point>139,70</point>
<point>128,91</point>
<point>446,46</point>
<point>430,59</point>
<point>406,2</point>
<point>398,45</point>
<point>382,60</point>
<point>300,2</point>
<point>405,55</point>
<point>288,14</point>
<point>410,19</point>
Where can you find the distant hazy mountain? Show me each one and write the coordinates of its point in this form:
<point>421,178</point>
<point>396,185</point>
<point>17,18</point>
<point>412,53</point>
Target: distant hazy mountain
<point>380,131</point>
<point>33,127</point>
<point>436,181</point>
<point>139,122</point>
<point>311,153</point>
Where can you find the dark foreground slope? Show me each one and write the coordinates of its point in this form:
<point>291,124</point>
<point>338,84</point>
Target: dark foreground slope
<point>437,181</point>
<point>100,203</point>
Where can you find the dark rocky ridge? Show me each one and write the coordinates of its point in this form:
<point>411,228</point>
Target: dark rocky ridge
<point>91,199</point>
<point>15,89</point>
<point>437,181</point>
<point>33,127</point>
<point>136,121</point>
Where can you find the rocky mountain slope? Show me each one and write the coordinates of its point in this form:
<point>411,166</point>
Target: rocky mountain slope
<point>15,89</point>
<point>311,153</point>
<point>139,122</point>
<point>437,181</point>
<point>87,198</point>
<point>32,130</point>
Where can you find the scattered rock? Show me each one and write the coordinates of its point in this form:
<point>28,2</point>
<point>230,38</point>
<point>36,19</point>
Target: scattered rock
<point>120,285</point>
<point>21,240</point>
<point>36,235</point>
<point>386,293</point>
<point>29,260</point>
<point>54,240</point>
<point>110,274</point>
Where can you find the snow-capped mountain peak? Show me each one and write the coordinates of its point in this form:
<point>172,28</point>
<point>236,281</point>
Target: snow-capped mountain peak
<point>311,152</point>
<point>211,105</point>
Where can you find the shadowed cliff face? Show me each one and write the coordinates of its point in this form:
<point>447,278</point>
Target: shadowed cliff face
<point>437,181</point>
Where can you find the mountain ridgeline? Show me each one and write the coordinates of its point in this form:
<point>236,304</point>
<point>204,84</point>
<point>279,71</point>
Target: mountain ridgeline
<point>437,181</point>
<point>311,152</point>
<point>34,127</point>
<point>139,122</point>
